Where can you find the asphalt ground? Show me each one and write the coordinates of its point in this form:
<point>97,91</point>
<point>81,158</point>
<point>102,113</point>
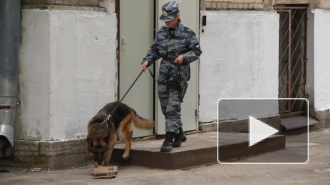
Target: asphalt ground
<point>316,171</point>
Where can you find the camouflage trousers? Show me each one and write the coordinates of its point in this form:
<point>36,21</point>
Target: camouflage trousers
<point>171,107</point>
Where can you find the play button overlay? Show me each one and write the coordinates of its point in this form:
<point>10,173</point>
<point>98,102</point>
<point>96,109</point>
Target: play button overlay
<point>259,131</point>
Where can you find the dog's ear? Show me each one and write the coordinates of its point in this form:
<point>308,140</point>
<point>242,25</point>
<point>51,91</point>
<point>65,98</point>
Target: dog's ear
<point>90,141</point>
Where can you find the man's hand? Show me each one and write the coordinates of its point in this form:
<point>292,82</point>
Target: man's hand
<point>179,59</point>
<point>144,65</point>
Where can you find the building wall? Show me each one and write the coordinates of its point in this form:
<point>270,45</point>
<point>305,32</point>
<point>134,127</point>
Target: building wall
<point>240,58</point>
<point>34,66</point>
<point>262,4</point>
<point>68,65</point>
<point>321,59</point>
<point>67,71</point>
<point>317,55</point>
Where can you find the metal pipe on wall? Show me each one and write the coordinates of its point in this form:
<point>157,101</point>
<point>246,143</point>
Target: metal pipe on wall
<point>9,53</point>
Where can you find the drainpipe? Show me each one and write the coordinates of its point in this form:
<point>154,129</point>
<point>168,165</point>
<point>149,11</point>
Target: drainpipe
<point>9,49</point>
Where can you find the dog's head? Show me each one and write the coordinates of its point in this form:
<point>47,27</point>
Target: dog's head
<point>97,148</point>
<point>98,141</point>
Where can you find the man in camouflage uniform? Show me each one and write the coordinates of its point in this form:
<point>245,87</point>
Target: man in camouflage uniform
<point>178,46</point>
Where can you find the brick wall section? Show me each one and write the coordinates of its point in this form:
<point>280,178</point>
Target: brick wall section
<point>93,3</point>
<point>234,4</point>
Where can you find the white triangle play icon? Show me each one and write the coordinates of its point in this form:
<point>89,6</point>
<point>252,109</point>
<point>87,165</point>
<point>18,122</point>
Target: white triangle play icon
<point>259,131</point>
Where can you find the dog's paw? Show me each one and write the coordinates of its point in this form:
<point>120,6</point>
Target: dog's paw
<point>125,157</point>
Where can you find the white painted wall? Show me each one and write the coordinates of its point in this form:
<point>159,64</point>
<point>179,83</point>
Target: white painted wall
<point>321,59</point>
<point>33,112</point>
<point>239,60</point>
<point>67,71</point>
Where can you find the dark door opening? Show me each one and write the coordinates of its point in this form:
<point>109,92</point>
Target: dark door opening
<point>292,58</point>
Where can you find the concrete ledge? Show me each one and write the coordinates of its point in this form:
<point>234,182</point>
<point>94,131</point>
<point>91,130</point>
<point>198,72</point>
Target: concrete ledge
<point>273,143</point>
<point>47,154</point>
<point>243,125</point>
<point>199,149</point>
<point>324,118</point>
<point>238,125</point>
<point>208,127</point>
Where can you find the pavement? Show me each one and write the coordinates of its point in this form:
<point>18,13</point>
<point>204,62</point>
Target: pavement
<point>316,171</point>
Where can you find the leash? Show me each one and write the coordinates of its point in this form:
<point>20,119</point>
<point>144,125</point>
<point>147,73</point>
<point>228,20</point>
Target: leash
<point>152,75</point>
<point>109,116</point>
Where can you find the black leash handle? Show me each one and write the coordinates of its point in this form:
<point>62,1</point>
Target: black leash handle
<point>124,96</point>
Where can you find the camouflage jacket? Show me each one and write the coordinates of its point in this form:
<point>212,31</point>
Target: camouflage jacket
<point>169,44</point>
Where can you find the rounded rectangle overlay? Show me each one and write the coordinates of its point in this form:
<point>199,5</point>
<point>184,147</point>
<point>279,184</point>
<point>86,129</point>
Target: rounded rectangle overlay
<point>263,131</point>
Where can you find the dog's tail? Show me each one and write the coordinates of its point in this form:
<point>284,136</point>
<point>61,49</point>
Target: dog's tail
<point>143,123</point>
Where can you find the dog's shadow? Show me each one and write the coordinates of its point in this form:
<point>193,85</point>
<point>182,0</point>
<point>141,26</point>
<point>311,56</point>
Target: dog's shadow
<point>116,158</point>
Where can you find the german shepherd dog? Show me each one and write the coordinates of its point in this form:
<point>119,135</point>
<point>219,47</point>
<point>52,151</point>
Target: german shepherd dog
<point>102,134</point>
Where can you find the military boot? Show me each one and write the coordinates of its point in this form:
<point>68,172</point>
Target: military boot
<point>179,138</point>
<point>167,144</point>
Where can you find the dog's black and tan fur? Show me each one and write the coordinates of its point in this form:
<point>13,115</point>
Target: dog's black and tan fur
<point>102,135</point>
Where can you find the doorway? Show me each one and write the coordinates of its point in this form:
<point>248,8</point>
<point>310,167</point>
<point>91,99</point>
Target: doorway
<point>292,58</point>
<point>138,22</point>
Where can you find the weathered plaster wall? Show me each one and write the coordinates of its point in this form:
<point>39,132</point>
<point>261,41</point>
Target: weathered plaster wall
<point>321,59</point>
<point>67,71</point>
<point>34,66</point>
<point>240,58</point>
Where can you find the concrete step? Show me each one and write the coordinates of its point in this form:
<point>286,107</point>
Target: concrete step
<point>297,122</point>
<point>200,148</point>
